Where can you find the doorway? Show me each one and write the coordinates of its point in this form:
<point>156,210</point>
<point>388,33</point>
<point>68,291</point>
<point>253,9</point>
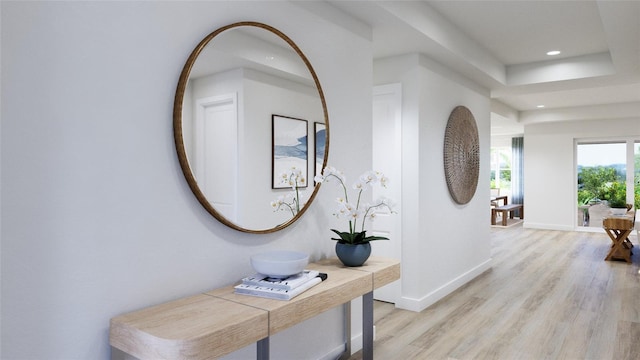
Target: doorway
<point>387,156</point>
<point>600,167</point>
<point>216,129</point>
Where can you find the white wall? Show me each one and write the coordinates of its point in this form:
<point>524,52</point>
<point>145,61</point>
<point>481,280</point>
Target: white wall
<point>549,167</point>
<point>259,96</point>
<point>502,141</point>
<point>444,244</point>
<point>97,218</point>
<point>279,98</point>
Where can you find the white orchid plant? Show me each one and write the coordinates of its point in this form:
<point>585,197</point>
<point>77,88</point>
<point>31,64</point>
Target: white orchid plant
<point>291,201</point>
<point>357,211</point>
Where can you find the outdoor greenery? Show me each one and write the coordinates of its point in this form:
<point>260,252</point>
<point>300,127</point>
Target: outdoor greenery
<point>504,160</point>
<point>600,183</point>
<point>615,193</point>
<point>591,181</point>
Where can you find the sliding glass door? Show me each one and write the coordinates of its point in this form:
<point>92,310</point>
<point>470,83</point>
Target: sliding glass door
<point>602,167</point>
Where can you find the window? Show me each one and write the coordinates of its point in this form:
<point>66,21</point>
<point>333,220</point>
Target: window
<point>601,165</point>
<point>501,169</point>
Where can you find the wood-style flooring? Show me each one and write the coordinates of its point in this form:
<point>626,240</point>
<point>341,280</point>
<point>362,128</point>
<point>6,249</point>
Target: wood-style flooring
<point>549,295</point>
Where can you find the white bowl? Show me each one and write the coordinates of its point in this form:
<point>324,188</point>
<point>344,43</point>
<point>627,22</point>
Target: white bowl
<point>618,211</point>
<point>279,263</point>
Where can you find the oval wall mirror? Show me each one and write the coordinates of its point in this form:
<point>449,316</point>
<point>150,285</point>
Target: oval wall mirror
<point>248,108</point>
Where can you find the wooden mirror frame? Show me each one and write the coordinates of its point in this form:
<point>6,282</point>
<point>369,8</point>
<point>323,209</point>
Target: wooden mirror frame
<point>178,130</point>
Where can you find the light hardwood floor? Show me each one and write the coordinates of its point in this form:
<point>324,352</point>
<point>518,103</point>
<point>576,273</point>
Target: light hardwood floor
<point>549,295</point>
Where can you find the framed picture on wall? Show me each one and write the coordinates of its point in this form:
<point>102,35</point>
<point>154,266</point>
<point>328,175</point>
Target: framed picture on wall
<point>290,148</point>
<point>320,130</point>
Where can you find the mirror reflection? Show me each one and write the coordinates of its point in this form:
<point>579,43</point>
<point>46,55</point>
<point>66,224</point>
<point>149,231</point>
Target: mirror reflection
<point>248,109</point>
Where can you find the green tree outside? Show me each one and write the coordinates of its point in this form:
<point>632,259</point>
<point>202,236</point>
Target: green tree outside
<point>595,182</point>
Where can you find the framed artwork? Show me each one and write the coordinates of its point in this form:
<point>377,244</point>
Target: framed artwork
<point>290,148</point>
<point>320,131</point>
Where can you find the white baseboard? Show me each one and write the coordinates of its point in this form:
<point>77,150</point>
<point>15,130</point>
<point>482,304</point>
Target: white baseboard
<point>539,226</point>
<point>356,343</point>
<point>530,225</point>
<point>418,305</point>
<point>336,353</point>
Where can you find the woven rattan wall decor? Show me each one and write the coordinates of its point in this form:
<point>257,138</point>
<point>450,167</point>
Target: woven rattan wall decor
<point>461,155</point>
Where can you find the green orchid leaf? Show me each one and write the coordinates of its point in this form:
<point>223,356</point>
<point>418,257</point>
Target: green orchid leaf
<point>372,238</point>
<point>356,237</point>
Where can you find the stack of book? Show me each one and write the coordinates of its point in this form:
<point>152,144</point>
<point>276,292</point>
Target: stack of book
<point>279,288</point>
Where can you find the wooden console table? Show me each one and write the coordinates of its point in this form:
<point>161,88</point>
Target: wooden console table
<point>218,322</point>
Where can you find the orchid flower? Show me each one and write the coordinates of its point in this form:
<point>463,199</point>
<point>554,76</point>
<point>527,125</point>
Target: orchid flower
<point>295,178</point>
<point>358,211</point>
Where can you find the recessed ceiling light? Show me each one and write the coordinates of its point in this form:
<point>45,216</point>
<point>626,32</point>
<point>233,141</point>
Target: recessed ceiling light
<point>553,52</point>
<point>540,106</point>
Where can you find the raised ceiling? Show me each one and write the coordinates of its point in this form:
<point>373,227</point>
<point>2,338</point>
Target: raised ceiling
<point>502,45</point>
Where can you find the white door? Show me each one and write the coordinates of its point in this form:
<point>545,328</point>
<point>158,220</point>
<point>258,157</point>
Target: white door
<point>387,156</point>
<point>217,133</point>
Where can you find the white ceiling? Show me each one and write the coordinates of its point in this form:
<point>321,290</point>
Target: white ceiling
<point>502,45</point>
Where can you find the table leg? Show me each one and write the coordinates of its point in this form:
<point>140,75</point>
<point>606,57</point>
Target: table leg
<point>619,250</point>
<point>347,331</point>
<point>263,349</point>
<point>493,216</point>
<point>367,326</point>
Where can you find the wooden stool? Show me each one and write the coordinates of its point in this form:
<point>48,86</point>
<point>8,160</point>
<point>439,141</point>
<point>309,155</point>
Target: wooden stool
<point>506,209</point>
<point>618,230</point>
